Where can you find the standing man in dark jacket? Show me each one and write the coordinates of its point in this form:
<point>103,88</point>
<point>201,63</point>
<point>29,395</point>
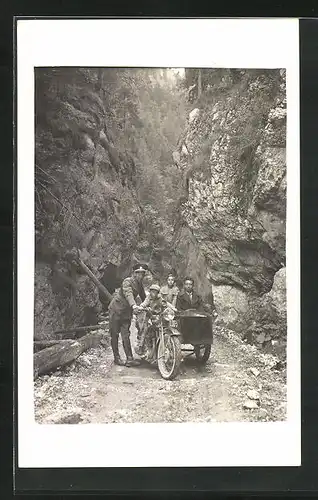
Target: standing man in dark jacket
<point>189,299</point>
<point>121,310</point>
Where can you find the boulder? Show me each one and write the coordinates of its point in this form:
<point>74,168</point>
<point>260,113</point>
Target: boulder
<point>231,305</point>
<point>252,394</point>
<point>266,317</point>
<point>278,293</point>
<point>255,371</point>
<point>250,405</point>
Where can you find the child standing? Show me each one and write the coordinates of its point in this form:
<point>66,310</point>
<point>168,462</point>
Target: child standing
<point>169,292</point>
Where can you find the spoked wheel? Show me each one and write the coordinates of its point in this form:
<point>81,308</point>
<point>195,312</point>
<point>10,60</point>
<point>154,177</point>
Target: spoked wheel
<point>202,353</point>
<point>169,357</point>
<point>150,352</point>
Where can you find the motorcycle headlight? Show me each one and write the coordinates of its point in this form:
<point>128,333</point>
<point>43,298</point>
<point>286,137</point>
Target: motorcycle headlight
<point>168,314</point>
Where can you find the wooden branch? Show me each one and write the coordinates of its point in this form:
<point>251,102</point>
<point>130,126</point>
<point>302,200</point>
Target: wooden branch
<point>92,276</point>
<point>49,359</point>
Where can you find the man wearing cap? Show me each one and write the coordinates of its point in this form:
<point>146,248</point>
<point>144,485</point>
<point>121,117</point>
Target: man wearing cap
<point>121,309</point>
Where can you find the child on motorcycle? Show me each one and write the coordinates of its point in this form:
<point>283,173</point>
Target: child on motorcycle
<point>151,307</point>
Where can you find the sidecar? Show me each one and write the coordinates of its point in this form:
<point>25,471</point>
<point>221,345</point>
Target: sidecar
<point>196,330</point>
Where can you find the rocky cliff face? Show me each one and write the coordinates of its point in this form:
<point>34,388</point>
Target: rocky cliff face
<point>105,185</point>
<point>85,198</point>
<point>233,158</point>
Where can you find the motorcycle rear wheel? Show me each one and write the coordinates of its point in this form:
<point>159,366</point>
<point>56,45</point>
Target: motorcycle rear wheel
<point>169,357</point>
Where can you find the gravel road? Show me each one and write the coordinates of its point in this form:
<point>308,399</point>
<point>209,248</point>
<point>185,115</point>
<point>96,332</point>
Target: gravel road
<point>238,383</point>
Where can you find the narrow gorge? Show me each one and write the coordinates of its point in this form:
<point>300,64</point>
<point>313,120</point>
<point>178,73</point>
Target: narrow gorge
<point>185,171</point>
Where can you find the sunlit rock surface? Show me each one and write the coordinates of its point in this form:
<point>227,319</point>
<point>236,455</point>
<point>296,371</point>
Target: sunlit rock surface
<point>235,180</point>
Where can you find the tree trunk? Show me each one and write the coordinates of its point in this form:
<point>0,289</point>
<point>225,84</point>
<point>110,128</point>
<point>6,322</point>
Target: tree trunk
<point>64,333</point>
<point>51,358</point>
<point>38,345</point>
<point>92,276</point>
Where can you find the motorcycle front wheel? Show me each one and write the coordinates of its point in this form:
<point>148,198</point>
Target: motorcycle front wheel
<point>169,356</point>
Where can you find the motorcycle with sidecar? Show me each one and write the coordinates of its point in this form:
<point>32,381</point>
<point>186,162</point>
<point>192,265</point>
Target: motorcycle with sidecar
<point>173,335</point>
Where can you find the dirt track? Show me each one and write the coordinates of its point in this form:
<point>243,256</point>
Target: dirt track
<point>94,390</point>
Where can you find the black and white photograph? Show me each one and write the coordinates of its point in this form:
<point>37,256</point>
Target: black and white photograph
<point>161,250</point>
<point>160,284</point>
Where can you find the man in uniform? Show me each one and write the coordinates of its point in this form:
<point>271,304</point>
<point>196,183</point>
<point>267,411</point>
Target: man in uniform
<point>121,309</point>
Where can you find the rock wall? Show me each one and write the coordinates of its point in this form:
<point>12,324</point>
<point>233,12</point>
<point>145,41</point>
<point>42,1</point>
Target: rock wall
<point>233,158</point>
<point>230,221</point>
<point>85,198</point>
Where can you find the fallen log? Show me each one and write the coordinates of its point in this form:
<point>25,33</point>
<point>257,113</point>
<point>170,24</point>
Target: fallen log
<point>56,356</point>
<point>79,329</point>
<point>92,276</point>
<point>38,345</point>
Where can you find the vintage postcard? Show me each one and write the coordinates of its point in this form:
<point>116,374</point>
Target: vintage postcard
<point>158,242</point>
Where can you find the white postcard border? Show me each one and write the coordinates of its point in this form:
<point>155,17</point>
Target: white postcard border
<point>240,43</point>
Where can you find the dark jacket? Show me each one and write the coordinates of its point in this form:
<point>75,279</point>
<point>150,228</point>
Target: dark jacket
<point>184,302</point>
<point>125,297</point>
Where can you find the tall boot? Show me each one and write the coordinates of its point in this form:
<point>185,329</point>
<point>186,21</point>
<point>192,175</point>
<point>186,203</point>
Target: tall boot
<point>117,358</point>
<point>140,328</point>
<point>127,348</point>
